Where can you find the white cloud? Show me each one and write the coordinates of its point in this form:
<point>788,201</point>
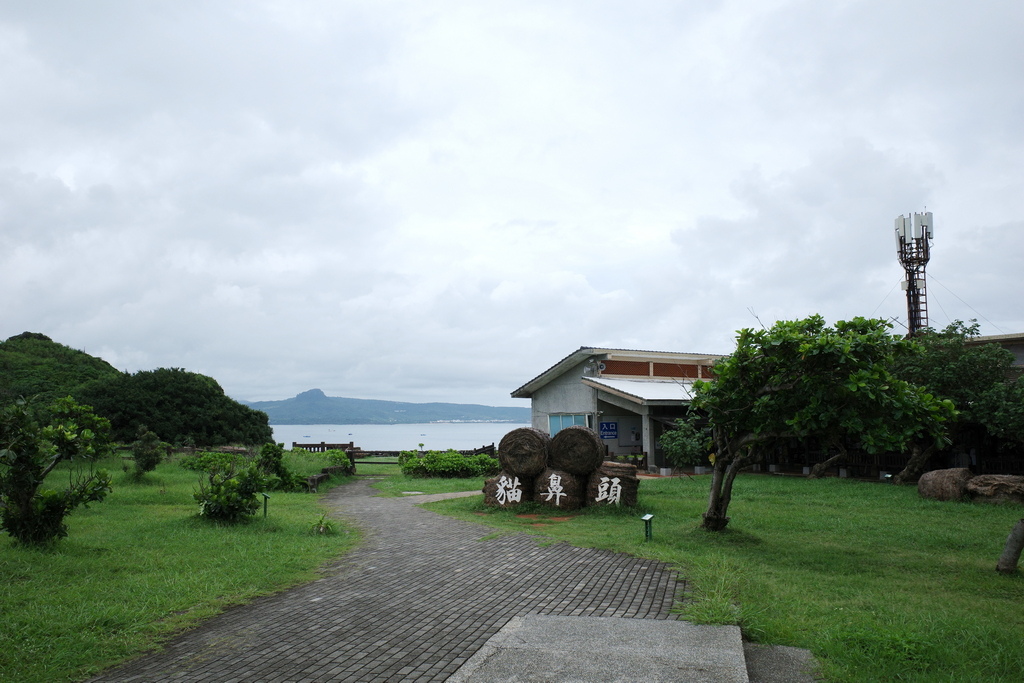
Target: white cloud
<point>436,202</point>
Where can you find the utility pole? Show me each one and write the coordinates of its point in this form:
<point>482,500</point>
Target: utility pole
<point>914,234</point>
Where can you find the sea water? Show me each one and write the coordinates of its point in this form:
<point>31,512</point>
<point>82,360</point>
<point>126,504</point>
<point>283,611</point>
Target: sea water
<point>435,436</point>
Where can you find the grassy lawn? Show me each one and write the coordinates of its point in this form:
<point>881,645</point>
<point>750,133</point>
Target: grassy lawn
<point>141,566</point>
<point>880,584</point>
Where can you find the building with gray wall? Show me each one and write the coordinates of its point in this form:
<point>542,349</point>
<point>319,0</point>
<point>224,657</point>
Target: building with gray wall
<point>628,397</point>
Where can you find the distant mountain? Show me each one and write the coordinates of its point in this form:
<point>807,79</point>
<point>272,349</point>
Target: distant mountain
<point>314,407</point>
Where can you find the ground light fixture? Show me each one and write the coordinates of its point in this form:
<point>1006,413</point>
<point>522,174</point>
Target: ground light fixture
<point>647,526</point>
<point>266,498</point>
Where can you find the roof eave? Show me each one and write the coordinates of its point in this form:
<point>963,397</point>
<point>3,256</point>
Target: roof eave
<point>639,400</point>
<point>559,368</point>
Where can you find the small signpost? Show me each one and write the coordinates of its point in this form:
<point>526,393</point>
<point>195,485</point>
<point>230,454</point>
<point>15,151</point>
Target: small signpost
<point>647,526</point>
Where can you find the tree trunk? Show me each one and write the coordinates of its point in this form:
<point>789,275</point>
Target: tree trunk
<point>1011,553</point>
<point>918,457</point>
<point>818,471</point>
<point>715,518</point>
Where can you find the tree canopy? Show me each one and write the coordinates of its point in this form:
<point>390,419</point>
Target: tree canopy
<point>181,407</point>
<point>978,378</point>
<point>805,380</point>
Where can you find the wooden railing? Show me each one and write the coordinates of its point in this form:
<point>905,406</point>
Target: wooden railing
<point>324,447</point>
<point>356,453</point>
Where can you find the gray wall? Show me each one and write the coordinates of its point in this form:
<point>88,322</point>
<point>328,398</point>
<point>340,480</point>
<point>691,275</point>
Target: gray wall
<point>564,394</point>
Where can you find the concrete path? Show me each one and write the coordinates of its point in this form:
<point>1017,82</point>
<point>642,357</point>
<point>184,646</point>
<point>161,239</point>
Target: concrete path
<point>577,649</point>
<point>415,602</point>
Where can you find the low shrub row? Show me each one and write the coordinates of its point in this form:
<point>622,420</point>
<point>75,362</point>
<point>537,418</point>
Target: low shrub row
<point>448,464</point>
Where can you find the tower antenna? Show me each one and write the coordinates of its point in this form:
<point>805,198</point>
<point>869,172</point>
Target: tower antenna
<point>914,234</point>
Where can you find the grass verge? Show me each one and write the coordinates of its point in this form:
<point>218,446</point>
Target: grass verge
<point>141,566</point>
<point>880,584</point>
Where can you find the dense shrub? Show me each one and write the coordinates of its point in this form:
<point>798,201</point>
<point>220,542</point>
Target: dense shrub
<point>686,444</point>
<point>271,464</point>
<point>448,464</point>
<point>209,461</point>
<point>230,494</point>
<point>339,458</point>
<point>147,451</point>
<point>32,444</point>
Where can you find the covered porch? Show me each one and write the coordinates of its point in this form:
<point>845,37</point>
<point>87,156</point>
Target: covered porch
<point>633,414</point>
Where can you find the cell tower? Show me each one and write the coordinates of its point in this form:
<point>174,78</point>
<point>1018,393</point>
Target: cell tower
<point>914,234</point>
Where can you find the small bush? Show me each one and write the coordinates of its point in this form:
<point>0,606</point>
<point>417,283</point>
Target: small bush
<point>30,449</point>
<point>147,451</point>
<point>448,464</point>
<point>338,458</point>
<point>322,526</point>
<point>229,495</point>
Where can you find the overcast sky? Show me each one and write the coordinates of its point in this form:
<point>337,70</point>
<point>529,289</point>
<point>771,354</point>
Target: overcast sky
<point>436,201</point>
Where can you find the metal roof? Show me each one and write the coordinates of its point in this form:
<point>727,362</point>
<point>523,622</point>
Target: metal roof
<point>586,352</point>
<point>995,338</point>
<point>645,391</point>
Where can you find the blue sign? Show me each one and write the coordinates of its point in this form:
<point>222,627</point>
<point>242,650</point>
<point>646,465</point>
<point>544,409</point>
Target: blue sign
<point>609,430</point>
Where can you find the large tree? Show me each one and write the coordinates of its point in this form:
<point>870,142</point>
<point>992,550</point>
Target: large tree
<point>804,380</point>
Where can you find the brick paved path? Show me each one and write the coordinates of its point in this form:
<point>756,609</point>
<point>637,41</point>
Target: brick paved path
<point>414,602</point>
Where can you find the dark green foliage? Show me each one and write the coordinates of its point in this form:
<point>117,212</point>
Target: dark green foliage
<point>229,494</point>
<point>32,365</point>
<point>148,451</point>
<point>949,368</point>
<point>180,406</point>
<point>1001,411</point>
<point>29,451</point>
<point>979,379</point>
<point>271,464</point>
<point>686,444</point>
<point>447,464</point>
<point>208,461</point>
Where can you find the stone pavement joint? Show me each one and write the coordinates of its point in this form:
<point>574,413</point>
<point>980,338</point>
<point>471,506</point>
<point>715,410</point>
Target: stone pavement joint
<point>414,602</point>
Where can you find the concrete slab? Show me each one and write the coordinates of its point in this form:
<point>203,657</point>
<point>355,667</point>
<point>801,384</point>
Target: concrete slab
<point>583,649</point>
<point>779,664</point>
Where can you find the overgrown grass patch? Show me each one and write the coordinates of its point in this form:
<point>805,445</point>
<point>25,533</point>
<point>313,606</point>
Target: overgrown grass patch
<point>375,467</point>
<point>880,584</point>
<point>141,566</point>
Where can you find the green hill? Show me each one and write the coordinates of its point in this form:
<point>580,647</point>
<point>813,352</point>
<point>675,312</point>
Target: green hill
<point>314,407</point>
<point>32,364</point>
<point>181,407</point>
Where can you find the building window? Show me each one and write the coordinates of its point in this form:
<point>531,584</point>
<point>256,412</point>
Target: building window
<point>557,423</point>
